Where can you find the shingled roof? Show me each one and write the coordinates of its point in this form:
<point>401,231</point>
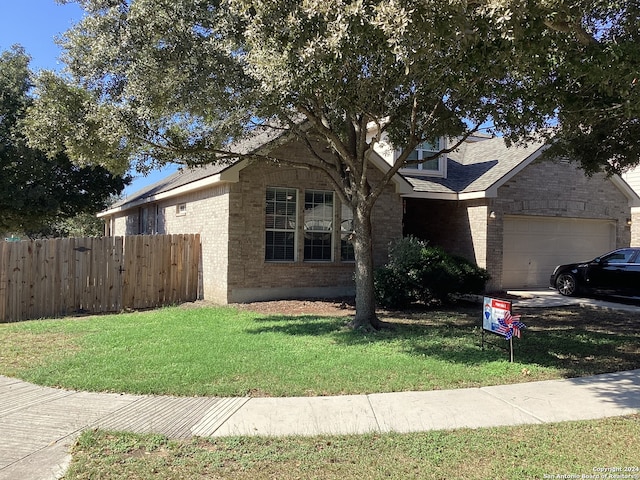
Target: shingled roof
<point>183,176</point>
<point>188,175</point>
<point>476,169</point>
<point>473,170</point>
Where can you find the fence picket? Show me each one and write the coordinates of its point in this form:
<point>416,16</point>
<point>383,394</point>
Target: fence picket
<point>4,274</point>
<point>57,277</point>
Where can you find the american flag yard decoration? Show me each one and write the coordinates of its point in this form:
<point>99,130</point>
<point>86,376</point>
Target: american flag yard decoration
<point>510,325</point>
<point>497,318</point>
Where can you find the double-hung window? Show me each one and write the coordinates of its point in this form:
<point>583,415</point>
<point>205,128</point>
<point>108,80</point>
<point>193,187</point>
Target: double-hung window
<point>318,225</point>
<point>280,224</point>
<point>304,224</point>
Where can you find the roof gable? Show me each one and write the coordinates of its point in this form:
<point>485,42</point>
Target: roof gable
<point>476,170</point>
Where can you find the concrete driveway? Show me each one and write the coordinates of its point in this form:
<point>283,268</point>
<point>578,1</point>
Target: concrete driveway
<point>551,298</point>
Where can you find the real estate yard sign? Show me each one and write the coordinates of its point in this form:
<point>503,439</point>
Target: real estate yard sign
<point>497,319</point>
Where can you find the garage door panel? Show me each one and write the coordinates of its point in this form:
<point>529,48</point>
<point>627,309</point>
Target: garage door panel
<point>533,246</point>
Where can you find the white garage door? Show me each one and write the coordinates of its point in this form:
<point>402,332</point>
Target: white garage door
<point>533,246</point>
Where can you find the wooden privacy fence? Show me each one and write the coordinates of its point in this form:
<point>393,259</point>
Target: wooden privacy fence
<point>63,276</point>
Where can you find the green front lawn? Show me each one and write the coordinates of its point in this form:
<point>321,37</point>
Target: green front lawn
<point>225,351</point>
<point>231,352</point>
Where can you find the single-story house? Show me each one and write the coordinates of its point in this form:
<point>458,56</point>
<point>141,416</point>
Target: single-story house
<point>272,231</point>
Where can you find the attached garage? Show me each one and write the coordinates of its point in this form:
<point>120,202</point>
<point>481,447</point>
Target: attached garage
<point>518,214</point>
<point>534,245</point>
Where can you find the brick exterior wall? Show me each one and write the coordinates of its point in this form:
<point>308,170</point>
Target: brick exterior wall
<point>251,277</point>
<point>459,227</point>
<point>544,188</point>
<point>206,213</point>
<point>635,227</point>
<point>231,221</point>
<point>556,189</point>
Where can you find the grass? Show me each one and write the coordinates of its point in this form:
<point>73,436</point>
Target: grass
<point>224,351</point>
<point>231,352</point>
<point>572,449</point>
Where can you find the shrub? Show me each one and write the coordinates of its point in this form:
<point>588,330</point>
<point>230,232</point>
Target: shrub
<point>417,272</point>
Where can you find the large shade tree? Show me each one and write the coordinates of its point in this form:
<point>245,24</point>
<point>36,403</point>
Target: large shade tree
<point>152,81</point>
<point>38,191</point>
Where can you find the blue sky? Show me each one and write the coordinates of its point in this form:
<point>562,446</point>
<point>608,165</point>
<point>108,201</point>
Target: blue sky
<point>34,24</point>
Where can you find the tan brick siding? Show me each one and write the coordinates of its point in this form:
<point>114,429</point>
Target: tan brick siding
<point>231,221</point>
<point>635,227</point>
<point>557,189</point>
<point>247,266</point>
<point>458,227</point>
<point>207,214</point>
<point>543,188</point>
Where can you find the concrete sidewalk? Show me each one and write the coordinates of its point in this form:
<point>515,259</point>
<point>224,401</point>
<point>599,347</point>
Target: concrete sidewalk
<point>39,424</point>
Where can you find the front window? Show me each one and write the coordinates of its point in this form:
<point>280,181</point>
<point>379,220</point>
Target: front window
<point>318,225</point>
<point>280,224</point>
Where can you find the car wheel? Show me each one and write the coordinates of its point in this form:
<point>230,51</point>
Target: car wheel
<point>566,284</point>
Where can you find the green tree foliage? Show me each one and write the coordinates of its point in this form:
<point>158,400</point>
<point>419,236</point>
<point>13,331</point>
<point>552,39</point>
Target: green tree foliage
<point>589,75</point>
<point>37,190</point>
<point>153,81</point>
<point>417,272</point>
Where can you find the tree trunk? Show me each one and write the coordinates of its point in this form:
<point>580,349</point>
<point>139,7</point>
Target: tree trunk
<point>365,317</point>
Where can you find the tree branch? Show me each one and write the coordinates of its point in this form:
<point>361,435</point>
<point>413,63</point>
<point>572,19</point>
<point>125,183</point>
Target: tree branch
<point>582,36</point>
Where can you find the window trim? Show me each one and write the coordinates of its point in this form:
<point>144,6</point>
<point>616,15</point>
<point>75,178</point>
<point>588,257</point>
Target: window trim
<point>441,171</point>
<point>330,231</point>
<point>299,230</point>
<point>293,230</point>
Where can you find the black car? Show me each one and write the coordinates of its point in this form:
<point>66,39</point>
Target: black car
<point>615,273</point>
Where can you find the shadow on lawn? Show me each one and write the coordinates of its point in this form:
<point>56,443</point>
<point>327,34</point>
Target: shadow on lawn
<point>299,325</point>
<point>576,341</point>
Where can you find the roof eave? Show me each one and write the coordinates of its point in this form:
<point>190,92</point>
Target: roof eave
<point>229,175</point>
<point>402,186</point>
<point>453,196</point>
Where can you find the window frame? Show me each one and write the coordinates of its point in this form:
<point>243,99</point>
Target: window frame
<point>287,216</point>
<point>441,171</point>
<point>337,236</point>
<point>148,219</point>
<point>311,230</point>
